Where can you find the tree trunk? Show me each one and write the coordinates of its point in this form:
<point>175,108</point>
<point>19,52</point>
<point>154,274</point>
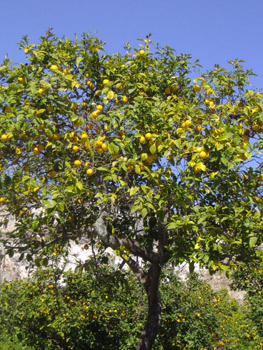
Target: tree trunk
<point>154,310</point>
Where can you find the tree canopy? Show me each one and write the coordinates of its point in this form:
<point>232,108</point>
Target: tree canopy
<point>138,151</point>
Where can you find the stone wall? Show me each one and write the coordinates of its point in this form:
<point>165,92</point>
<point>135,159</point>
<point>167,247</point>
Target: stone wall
<point>12,268</point>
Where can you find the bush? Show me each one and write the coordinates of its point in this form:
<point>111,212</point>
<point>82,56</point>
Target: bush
<point>106,309</point>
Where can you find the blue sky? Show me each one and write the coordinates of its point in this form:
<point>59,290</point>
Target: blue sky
<point>213,31</point>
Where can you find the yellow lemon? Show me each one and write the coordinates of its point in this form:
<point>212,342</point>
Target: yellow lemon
<point>142,139</point>
<point>203,154</point>
<point>77,163</point>
<point>4,138</point>
<point>148,136</point>
<point>105,82</point>
<point>188,123</point>
<point>90,172</point>
<point>53,68</point>
<point>197,88</point>
<point>84,136</point>
<point>21,80</point>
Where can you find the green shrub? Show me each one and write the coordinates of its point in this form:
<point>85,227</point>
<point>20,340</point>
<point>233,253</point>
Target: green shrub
<point>106,309</point>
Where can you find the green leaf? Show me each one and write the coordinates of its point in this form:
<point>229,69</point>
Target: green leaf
<point>177,143</point>
<point>252,241</point>
<point>78,60</point>
<point>79,185</point>
<point>133,190</point>
<point>144,212</point>
<point>101,168</point>
<point>153,148</point>
<point>136,208</point>
<point>172,226</point>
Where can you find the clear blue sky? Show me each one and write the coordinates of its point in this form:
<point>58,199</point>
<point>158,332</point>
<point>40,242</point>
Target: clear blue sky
<point>213,31</point>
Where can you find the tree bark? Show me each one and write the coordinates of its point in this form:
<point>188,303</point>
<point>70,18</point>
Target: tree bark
<point>149,279</point>
<point>153,322</point>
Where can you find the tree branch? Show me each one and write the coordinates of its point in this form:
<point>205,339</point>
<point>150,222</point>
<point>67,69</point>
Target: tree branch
<point>114,242</point>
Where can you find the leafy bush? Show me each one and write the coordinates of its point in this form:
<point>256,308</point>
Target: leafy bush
<point>250,278</point>
<point>106,309</point>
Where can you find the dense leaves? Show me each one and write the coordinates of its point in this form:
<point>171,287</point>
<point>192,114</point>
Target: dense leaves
<point>103,310</point>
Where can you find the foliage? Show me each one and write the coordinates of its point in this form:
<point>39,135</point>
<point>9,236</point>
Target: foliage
<point>249,278</point>
<point>7,344</point>
<point>128,151</point>
<point>195,317</point>
<point>74,310</point>
<point>103,309</point>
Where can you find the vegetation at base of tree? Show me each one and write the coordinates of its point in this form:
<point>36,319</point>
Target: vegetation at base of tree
<point>249,277</point>
<point>104,309</point>
<point>135,152</point>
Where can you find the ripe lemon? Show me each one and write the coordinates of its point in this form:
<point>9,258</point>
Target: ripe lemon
<point>125,99</point>
<point>53,68</point>
<point>141,52</point>
<point>21,80</point>
<point>2,200</point>
<point>203,154</point>
<point>94,114</point>
<point>144,156</point>
<point>77,163</point>
<point>98,143</point>
<point>75,149</point>
<point>105,82</point>
<point>148,136</point>
<point>40,92</point>
<point>188,123</point>
<point>87,164</point>
<point>84,136</point>
<point>90,172</point>
<point>197,88</point>
<point>4,138</point>
<point>99,108</point>
<point>142,139</point>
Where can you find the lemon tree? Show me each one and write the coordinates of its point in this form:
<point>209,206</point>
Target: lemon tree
<point>131,151</point>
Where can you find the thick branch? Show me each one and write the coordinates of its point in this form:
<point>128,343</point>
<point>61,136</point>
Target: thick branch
<point>115,242</point>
